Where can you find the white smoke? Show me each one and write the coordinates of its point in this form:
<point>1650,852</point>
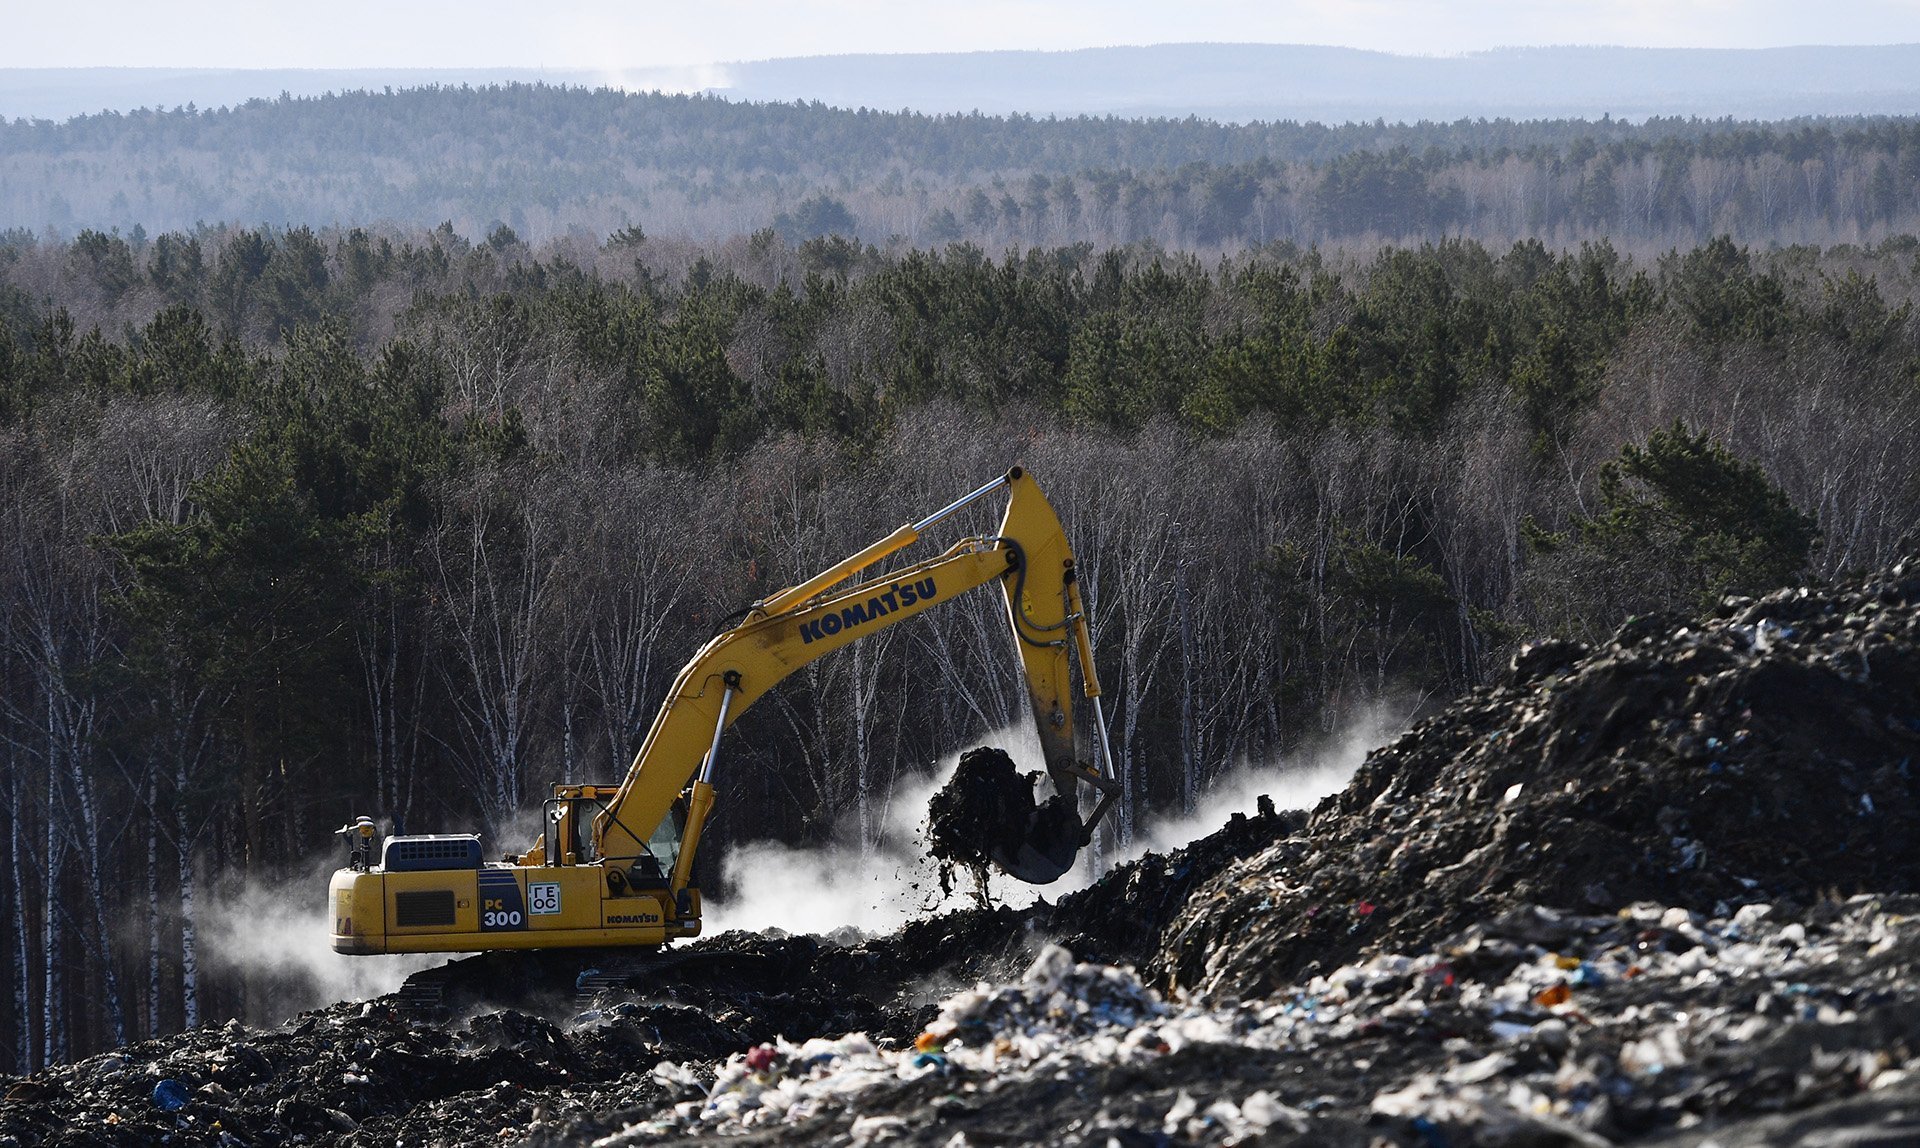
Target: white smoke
<point>277,939</point>
<point>817,889</point>
<point>516,834</point>
<point>820,889</point>
<point>689,79</point>
<point>1296,781</point>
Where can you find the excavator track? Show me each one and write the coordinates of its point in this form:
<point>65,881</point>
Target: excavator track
<point>543,980</point>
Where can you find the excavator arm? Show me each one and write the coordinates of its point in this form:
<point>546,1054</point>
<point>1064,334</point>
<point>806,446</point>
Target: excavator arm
<point>1028,555</point>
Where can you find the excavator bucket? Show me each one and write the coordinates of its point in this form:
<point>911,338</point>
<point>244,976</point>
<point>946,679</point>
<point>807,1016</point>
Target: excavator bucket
<point>1047,846</point>
<point>987,815</point>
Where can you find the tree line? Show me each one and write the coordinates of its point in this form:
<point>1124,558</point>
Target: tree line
<point>310,524</point>
<point>547,161</point>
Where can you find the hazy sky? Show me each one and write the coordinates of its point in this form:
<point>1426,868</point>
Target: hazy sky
<point>611,35</point>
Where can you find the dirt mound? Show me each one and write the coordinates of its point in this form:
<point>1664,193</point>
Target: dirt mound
<point>1763,755</point>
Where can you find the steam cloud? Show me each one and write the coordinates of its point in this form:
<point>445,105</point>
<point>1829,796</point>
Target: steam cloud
<point>691,79</point>
<point>278,937</point>
<point>823,888</point>
<point>818,889</point>
<point>1295,782</point>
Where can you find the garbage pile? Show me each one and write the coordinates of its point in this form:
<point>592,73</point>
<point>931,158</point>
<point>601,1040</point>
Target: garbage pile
<point>1063,1018</point>
<point>324,1077</point>
<point>1661,892</point>
<point>1652,1024</point>
<point>1763,755</point>
<point>1121,918</point>
<point>1538,1027</point>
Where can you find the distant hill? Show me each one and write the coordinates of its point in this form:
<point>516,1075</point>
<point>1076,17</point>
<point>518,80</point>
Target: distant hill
<point>1232,82</point>
<point>62,93</point>
<point>1241,82</point>
<point>549,159</point>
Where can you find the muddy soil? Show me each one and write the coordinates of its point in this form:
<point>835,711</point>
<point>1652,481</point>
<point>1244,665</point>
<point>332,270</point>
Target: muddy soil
<point>1663,891</point>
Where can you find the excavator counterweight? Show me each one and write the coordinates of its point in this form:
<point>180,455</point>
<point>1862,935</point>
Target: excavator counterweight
<point>613,865</point>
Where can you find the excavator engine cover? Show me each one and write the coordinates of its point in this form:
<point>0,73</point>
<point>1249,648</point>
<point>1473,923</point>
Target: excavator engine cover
<point>987,815</point>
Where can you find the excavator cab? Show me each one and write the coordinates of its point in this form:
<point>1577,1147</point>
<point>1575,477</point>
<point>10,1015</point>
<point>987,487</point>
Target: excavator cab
<point>653,868</point>
<point>567,838</point>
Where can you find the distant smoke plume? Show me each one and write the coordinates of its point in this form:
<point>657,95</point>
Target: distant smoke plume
<point>691,79</point>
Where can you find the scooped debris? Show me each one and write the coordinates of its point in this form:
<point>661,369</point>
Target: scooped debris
<point>987,815</point>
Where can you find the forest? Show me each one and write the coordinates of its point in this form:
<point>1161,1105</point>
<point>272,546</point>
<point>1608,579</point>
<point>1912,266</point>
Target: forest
<point>310,523</point>
<point>549,161</point>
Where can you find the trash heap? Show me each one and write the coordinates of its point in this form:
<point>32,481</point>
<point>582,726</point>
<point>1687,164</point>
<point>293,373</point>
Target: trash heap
<point>1663,891</point>
<point>1606,1029</point>
<point>1763,755</point>
<point>1538,1027</point>
<point>1059,1013</point>
<point>322,1077</point>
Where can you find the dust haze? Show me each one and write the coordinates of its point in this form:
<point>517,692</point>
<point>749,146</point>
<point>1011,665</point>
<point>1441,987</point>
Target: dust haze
<point>276,938</point>
<point>838,885</point>
<point>818,889</point>
<point>273,936</point>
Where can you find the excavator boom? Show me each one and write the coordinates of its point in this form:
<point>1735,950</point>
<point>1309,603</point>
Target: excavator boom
<point>627,851</point>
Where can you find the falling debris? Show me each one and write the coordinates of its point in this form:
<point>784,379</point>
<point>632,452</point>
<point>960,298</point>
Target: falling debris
<point>987,816</point>
<point>977,813</point>
<point>1663,891</point>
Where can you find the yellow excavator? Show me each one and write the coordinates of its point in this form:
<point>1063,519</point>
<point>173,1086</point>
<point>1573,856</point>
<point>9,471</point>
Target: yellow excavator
<point>614,863</point>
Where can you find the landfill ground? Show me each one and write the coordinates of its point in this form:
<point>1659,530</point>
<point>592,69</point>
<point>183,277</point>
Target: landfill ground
<point>1659,892</point>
